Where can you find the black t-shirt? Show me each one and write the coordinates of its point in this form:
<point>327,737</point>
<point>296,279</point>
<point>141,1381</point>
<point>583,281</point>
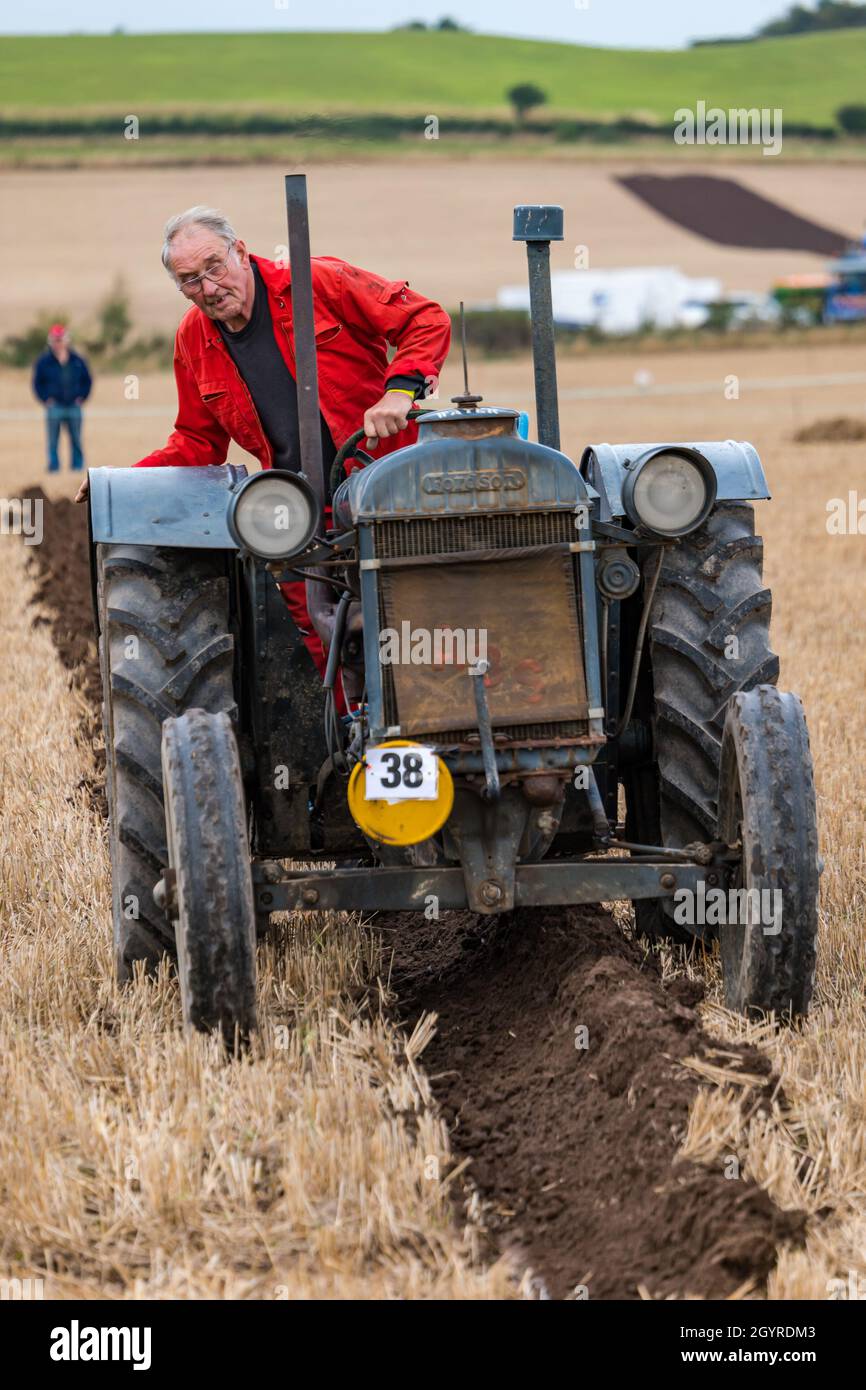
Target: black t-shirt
<point>257,357</point>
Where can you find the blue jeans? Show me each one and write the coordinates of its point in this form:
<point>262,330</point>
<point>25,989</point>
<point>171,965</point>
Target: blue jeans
<point>70,416</point>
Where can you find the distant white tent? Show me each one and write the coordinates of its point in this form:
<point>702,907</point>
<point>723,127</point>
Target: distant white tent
<point>623,301</point>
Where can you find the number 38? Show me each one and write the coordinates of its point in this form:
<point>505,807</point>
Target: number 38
<point>404,769</point>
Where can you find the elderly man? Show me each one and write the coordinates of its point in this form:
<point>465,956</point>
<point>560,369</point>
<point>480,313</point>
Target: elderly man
<point>235,369</point>
<point>62,382</point>
<point>234,352</point>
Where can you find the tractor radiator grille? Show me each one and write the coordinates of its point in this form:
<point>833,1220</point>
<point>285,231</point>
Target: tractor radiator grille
<point>511,733</point>
<point>452,535</point>
<point>449,534</point>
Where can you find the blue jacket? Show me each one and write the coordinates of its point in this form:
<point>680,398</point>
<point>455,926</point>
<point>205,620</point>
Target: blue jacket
<point>51,382</point>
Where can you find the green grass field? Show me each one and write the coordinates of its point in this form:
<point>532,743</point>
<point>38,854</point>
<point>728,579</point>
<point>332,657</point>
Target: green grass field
<point>430,73</point>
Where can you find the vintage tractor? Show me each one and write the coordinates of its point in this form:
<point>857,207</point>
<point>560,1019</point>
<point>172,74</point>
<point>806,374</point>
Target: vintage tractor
<point>513,635</point>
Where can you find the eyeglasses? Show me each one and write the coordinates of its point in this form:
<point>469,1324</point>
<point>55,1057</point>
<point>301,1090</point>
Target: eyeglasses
<point>217,272</point>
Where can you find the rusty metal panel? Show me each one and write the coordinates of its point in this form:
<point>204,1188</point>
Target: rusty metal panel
<point>524,610</point>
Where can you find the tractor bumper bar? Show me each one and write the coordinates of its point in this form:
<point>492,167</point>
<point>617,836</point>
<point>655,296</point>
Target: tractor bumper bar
<point>536,885</point>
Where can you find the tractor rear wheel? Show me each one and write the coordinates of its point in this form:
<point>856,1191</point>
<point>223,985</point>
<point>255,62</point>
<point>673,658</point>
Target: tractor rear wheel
<point>767,803</point>
<point>165,644</point>
<point>709,638</point>
<point>210,897</point>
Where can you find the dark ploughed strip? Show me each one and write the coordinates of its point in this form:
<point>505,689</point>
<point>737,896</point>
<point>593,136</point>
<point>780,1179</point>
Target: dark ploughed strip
<point>724,211</point>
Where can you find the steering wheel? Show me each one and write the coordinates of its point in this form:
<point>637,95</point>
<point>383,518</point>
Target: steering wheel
<point>348,449</point>
<point>345,451</point>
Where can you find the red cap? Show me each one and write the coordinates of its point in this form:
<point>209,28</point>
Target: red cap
<point>57,330</point>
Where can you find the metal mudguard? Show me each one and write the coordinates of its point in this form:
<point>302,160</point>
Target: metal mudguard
<point>739,475</point>
<point>183,507</point>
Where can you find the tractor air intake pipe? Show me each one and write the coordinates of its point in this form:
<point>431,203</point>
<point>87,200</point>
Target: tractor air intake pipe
<point>538,225</point>
<point>321,603</point>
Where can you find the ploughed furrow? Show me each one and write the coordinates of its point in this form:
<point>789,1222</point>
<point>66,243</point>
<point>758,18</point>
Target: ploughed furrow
<point>556,1062</point>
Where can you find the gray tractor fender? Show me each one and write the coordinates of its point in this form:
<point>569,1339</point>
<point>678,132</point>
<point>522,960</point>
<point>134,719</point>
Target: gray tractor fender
<point>184,507</point>
<point>739,474</point>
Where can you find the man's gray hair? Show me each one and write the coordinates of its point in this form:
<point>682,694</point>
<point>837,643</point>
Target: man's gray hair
<point>200,216</point>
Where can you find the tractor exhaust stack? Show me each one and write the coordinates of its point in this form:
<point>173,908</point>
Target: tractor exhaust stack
<point>321,603</point>
<point>538,225</point>
<point>306,371</point>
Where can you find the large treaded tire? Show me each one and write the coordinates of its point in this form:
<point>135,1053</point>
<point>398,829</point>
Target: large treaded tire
<point>165,645</point>
<point>710,589</point>
<point>767,801</point>
<point>208,850</point>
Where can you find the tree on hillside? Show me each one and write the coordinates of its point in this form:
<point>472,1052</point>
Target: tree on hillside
<point>852,119</point>
<point>524,98</point>
<point>445,24</point>
<point>827,15</point>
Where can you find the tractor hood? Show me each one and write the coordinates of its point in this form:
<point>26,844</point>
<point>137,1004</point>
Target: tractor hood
<point>459,474</point>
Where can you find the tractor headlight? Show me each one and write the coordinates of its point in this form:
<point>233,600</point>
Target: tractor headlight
<point>274,515</point>
<point>669,493</point>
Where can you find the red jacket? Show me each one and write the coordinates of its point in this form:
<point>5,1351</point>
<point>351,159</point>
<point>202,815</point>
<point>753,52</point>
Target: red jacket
<point>356,313</point>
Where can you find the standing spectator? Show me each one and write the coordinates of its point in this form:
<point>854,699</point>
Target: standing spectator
<point>62,381</point>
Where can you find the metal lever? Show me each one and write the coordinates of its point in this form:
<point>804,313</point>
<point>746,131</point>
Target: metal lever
<point>485,730</point>
<point>600,822</point>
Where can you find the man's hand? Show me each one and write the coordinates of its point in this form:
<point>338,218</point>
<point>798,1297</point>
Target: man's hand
<point>81,494</point>
<point>388,416</point>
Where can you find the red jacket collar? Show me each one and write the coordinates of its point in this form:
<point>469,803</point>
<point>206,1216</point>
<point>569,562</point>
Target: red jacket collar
<point>277,280</point>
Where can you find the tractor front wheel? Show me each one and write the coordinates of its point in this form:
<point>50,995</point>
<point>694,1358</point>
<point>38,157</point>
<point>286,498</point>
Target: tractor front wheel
<point>166,645</point>
<point>767,805</point>
<point>209,894</point>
